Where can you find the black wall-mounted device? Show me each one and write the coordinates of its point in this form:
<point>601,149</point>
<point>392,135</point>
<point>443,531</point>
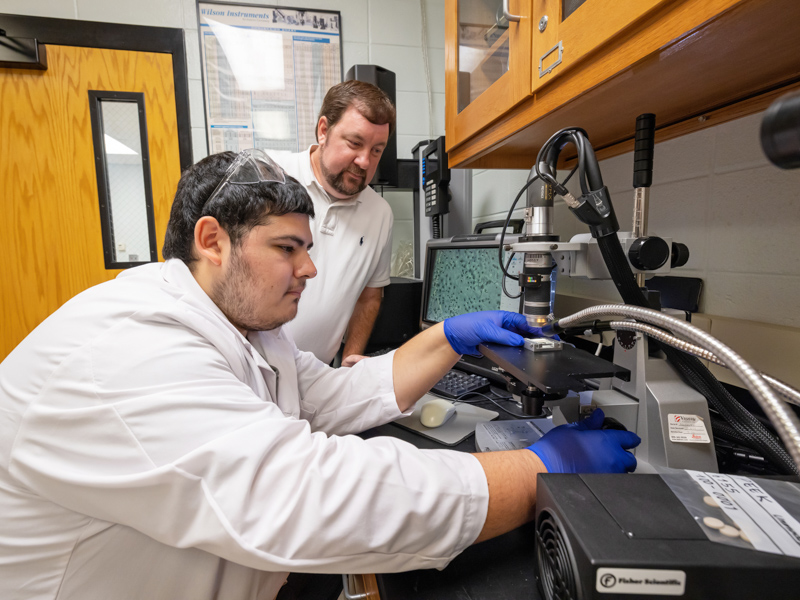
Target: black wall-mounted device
<point>436,178</point>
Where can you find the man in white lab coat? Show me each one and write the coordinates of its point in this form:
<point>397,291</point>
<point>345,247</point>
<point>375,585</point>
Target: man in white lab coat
<point>161,437</point>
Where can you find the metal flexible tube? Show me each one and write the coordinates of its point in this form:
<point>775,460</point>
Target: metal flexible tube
<point>784,420</point>
<point>788,393</point>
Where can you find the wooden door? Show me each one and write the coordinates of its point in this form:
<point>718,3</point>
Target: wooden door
<point>48,181</point>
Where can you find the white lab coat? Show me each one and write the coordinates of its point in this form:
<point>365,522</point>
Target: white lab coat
<point>149,451</point>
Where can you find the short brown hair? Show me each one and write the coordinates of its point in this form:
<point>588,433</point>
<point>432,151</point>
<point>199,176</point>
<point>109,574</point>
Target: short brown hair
<point>369,100</point>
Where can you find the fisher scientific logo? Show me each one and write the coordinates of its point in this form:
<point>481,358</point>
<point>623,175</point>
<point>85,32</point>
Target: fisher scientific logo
<point>641,581</point>
<point>608,580</point>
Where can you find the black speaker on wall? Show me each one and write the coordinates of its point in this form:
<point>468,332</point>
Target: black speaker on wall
<point>385,80</point>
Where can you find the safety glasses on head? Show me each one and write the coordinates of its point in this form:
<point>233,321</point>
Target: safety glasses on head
<point>250,167</point>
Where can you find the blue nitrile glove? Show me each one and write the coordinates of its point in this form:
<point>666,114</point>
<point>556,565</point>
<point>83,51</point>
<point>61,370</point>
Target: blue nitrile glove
<point>465,332</point>
<point>585,448</point>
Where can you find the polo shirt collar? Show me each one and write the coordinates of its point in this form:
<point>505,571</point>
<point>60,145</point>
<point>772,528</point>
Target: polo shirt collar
<point>308,179</point>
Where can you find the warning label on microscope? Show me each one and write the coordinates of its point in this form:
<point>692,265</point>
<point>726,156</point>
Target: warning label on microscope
<point>689,429</point>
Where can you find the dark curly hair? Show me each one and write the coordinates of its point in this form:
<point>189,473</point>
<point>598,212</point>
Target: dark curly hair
<point>238,208</point>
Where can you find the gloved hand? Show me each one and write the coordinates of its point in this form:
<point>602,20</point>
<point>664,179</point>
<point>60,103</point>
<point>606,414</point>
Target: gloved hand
<point>585,448</point>
<point>465,332</point>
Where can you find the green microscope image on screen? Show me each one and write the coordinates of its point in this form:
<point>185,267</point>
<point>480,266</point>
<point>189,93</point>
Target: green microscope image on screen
<point>462,281</point>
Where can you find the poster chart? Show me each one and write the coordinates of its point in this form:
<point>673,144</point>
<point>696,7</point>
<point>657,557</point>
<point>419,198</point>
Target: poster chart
<point>266,70</point>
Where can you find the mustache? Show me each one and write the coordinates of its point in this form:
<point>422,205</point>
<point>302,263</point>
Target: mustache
<point>356,170</point>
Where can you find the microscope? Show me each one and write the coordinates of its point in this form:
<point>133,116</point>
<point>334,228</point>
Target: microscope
<point>655,385</point>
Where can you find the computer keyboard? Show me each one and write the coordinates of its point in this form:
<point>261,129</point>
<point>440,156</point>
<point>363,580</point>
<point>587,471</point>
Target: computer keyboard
<point>380,352</point>
<point>455,384</point>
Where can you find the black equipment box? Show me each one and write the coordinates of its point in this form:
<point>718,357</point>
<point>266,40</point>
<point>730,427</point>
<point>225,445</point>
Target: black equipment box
<point>599,535</point>
<point>398,319</point>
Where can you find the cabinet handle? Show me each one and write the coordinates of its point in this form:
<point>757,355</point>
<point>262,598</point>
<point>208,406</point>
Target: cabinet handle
<point>509,16</point>
<point>560,47</point>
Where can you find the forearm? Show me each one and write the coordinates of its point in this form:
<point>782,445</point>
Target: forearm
<point>511,477</point>
<point>362,321</point>
<point>420,363</point>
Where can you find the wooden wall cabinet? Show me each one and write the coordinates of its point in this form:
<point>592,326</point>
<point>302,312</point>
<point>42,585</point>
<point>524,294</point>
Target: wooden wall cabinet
<point>598,65</point>
<point>491,60</point>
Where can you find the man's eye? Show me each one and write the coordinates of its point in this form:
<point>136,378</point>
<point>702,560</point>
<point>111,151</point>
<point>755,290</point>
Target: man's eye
<point>377,151</point>
<point>287,249</point>
<point>353,144</point>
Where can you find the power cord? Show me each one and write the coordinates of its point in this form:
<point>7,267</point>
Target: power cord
<point>493,401</point>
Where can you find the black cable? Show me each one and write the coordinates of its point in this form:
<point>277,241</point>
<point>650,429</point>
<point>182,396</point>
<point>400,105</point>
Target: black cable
<point>436,226</point>
<point>548,156</point>
<point>503,280</point>
<point>693,372</point>
<point>504,270</point>
<point>604,230</point>
<point>571,173</point>
<point>505,226</point>
<point>492,400</point>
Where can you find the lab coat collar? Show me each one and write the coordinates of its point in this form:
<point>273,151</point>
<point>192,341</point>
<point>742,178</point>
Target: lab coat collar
<point>308,179</point>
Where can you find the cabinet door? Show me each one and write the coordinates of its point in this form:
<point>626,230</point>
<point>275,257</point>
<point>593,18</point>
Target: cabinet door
<point>488,63</point>
<point>567,31</point>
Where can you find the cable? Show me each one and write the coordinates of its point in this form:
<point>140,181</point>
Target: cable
<point>492,400</point>
<point>505,226</point>
<point>594,208</point>
<point>695,373</point>
<point>750,428</point>
<point>426,61</point>
<point>436,227</point>
<point>503,280</point>
<point>790,394</point>
<point>571,173</point>
<point>504,270</point>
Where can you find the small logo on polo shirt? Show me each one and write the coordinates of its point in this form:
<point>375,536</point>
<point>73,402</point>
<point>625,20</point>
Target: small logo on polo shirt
<point>361,243</point>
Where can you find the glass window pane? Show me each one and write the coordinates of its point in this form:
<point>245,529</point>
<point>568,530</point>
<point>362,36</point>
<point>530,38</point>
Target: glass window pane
<point>127,202</point>
<point>482,47</point>
<point>569,6</point>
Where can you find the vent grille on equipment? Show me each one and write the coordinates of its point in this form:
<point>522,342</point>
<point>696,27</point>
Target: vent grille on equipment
<point>555,559</point>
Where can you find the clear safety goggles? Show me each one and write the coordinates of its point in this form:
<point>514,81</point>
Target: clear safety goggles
<point>250,167</point>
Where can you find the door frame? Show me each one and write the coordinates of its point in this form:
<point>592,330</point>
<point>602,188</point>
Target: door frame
<point>117,36</point>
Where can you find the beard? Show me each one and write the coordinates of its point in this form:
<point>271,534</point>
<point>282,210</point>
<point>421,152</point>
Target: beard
<point>237,298</point>
<point>336,180</point>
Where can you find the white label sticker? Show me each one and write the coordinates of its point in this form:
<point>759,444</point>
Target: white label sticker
<point>641,581</point>
<point>768,525</point>
<point>689,429</point>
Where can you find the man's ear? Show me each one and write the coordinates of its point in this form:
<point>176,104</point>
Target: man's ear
<point>322,130</point>
<point>211,241</point>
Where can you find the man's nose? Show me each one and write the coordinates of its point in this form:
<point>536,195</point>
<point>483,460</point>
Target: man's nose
<point>307,268</point>
<point>362,159</point>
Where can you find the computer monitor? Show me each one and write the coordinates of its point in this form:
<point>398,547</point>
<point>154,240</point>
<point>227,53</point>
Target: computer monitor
<point>462,274</point>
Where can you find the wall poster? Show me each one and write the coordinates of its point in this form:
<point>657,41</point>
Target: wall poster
<point>266,70</point>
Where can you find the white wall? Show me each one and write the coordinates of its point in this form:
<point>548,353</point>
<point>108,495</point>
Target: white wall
<point>713,190</point>
<point>383,32</point>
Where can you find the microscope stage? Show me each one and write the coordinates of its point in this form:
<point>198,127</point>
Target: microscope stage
<point>552,372</point>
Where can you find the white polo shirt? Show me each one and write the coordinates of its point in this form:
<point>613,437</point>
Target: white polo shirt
<point>352,250</point>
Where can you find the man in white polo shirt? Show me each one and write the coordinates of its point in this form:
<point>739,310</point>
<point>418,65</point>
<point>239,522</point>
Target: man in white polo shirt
<point>353,226</point>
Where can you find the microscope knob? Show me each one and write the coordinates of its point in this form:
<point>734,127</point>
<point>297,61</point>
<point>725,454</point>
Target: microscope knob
<point>649,253</point>
<point>680,255</point>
